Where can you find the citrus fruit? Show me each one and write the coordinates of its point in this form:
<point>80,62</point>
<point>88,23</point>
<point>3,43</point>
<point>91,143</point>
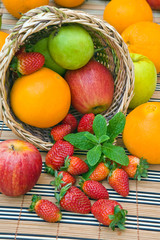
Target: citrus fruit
<point>144,38</point>
<point>142,130</point>
<point>122,13</point>
<point>17,7</point>
<point>69,3</point>
<point>3,36</point>
<point>71,46</point>
<point>41,99</point>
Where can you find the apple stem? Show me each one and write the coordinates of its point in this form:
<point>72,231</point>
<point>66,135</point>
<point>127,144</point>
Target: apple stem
<point>12,147</point>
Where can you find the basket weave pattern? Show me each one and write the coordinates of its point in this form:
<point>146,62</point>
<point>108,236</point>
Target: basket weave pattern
<point>112,53</point>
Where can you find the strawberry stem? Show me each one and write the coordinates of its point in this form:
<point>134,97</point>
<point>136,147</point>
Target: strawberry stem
<point>66,165</point>
<point>63,191</point>
<point>57,181</point>
<point>35,199</point>
<point>49,170</point>
<point>118,218</point>
<point>142,169</point>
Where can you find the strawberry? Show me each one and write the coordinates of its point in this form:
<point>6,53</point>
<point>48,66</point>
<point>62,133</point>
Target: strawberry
<point>86,122</point>
<point>62,178</point>
<point>45,209</point>
<point>26,63</point>
<point>109,213</point>
<point>55,158</point>
<point>118,180</point>
<point>94,189</point>
<point>100,172</point>
<point>73,199</point>
<point>136,168</point>
<point>71,120</point>
<point>75,165</point>
<point>59,131</point>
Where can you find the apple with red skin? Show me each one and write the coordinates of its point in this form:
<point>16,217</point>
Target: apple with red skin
<point>155,4</point>
<point>92,87</point>
<point>20,167</point>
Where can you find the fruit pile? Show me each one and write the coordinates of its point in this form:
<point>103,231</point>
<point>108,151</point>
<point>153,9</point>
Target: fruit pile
<point>59,70</point>
<point>51,74</point>
<point>95,135</point>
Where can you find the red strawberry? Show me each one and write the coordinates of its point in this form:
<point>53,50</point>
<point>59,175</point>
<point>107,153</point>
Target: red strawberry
<point>73,200</point>
<point>86,122</point>
<point>94,189</point>
<point>100,172</point>
<point>62,178</point>
<point>118,180</point>
<point>27,62</point>
<point>75,166</point>
<point>109,213</point>
<point>55,158</point>
<point>58,132</point>
<point>71,120</point>
<point>45,209</point>
<point>136,168</point>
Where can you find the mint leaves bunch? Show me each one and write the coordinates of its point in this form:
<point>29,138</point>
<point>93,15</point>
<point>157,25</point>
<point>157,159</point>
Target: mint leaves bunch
<point>100,145</point>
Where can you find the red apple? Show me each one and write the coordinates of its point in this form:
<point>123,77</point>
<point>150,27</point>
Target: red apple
<point>155,4</point>
<point>20,167</point>
<point>92,87</point>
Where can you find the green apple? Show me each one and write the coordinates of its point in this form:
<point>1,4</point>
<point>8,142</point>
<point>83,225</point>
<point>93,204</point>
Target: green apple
<point>42,47</point>
<point>71,46</point>
<point>145,79</point>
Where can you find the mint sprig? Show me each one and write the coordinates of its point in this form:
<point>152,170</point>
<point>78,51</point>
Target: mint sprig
<point>79,140</point>
<point>100,144</point>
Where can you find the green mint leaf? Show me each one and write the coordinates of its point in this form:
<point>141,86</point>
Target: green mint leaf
<point>91,137</point>
<point>79,140</point>
<point>115,153</point>
<point>116,126</point>
<point>99,126</point>
<point>93,155</point>
<point>103,138</point>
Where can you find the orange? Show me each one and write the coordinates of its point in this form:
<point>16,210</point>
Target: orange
<point>41,99</point>
<point>3,36</point>
<point>144,38</point>
<point>69,3</point>
<point>142,132</point>
<point>18,7</point>
<point>122,13</point>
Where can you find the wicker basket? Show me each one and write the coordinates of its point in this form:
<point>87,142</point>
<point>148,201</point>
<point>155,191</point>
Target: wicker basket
<point>41,21</point>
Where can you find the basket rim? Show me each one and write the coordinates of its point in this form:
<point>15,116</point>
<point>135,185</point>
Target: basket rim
<point>32,20</point>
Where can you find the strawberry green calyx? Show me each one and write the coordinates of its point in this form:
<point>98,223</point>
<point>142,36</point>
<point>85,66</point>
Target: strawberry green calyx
<point>81,181</point>
<point>112,167</point>
<point>14,66</point>
<point>118,218</point>
<point>57,181</point>
<point>63,191</point>
<point>141,169</point>
<point>66,164</point>
<point>49,170</point>
<point>35,199</point>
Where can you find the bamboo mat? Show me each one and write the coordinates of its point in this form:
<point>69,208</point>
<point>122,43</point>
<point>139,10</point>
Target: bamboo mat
<point>143,202</point>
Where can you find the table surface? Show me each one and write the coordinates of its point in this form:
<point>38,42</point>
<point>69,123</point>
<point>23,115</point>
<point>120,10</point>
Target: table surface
<point>143,202</point>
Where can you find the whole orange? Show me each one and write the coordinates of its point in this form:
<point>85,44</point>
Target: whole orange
<point>142,130</point>
<point>18,7</point>
<point>69,3</point>
<point>41,99</point>
<point>144,38</point>
<point>122,13</point>
<point>3,36</point>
